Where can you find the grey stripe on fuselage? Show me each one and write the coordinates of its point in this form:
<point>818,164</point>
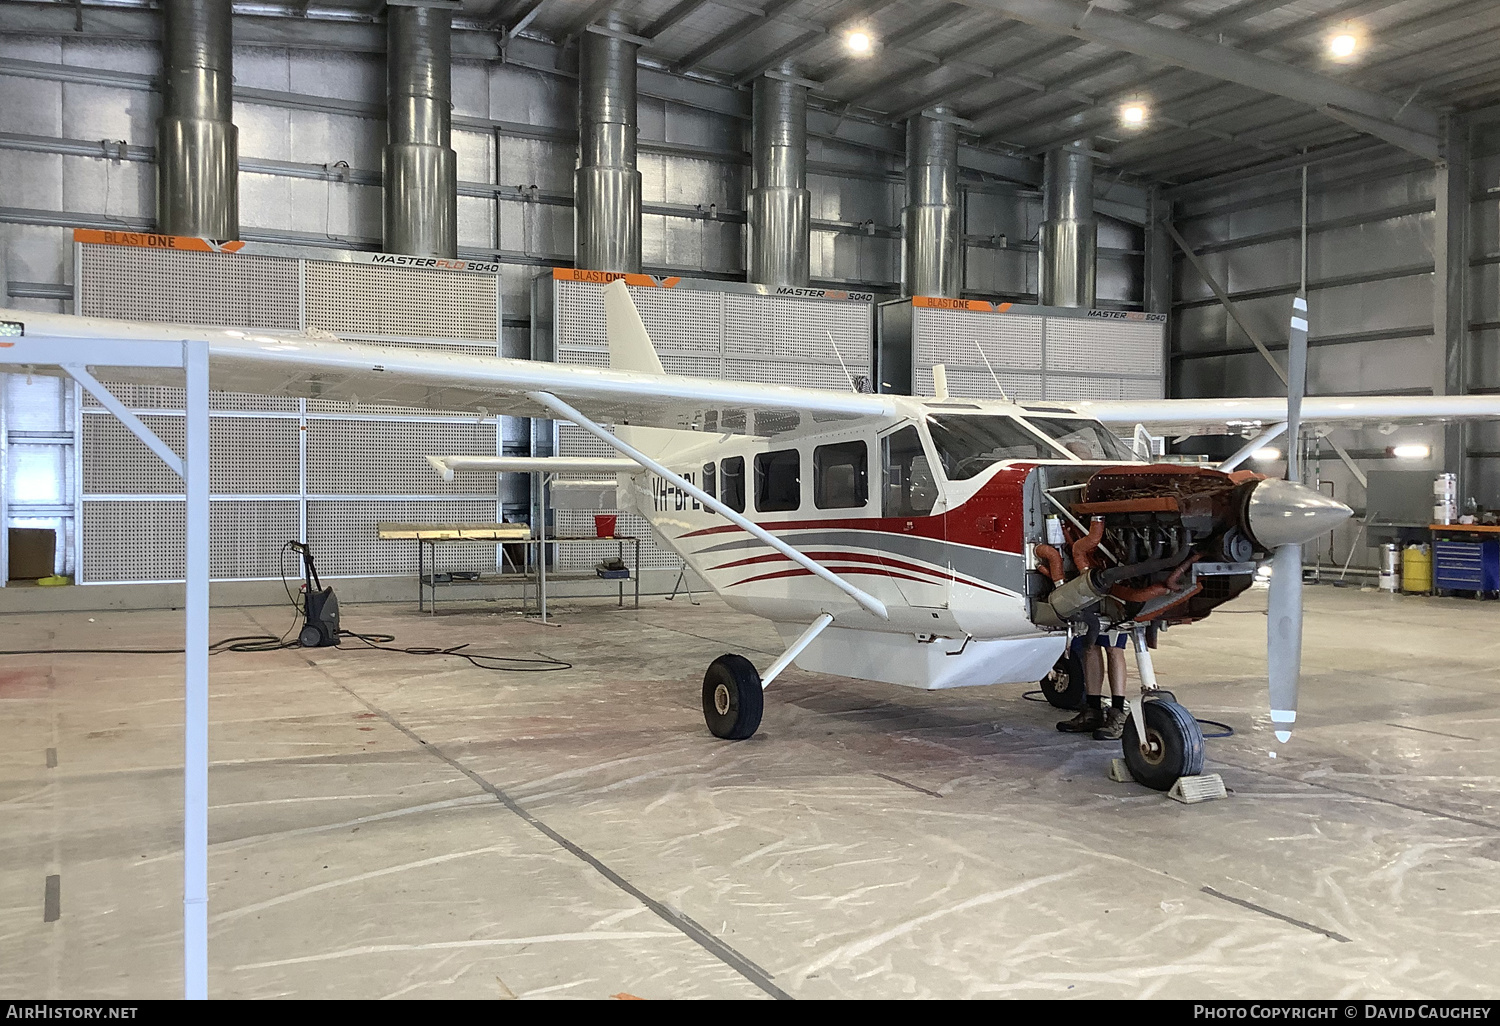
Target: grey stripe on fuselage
<point>1002,569</point>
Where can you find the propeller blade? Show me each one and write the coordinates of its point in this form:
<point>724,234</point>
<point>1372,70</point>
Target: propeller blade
<point>1284,604</point>
<point>1284,638</point>
<point>1296,385</point>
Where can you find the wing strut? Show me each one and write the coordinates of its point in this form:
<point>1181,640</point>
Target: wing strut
<point>568,413</point>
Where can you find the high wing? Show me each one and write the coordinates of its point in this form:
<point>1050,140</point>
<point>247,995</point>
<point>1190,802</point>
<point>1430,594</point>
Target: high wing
<point>1216,416</point>
<point>281,363</point>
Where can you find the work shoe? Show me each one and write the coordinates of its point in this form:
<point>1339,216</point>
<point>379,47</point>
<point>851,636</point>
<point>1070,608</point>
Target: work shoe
<point>1088,719</point>
<point>1114,725</point>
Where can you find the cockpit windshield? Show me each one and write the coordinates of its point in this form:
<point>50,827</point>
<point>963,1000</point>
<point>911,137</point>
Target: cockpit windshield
<point>1086,439</point>
<point>968,443</point>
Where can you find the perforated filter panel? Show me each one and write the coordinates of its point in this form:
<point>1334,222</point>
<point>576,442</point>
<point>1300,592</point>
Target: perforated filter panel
<point>371,299</point>
<point>177,287</point>
<point>350,457</point>
<point>342,533</point>
<point>1037,357</point>
<point>740,336</point>
<point>261,472</point>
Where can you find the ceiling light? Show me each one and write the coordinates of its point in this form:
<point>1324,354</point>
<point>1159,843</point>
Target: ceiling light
<point>858,42</point>
<point>1266,455</point>
<point>1133,113</point>
<point>1343,45</point>
<point>1411,452</point>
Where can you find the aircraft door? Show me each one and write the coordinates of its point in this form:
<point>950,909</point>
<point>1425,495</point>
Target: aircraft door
<point>909,493</point>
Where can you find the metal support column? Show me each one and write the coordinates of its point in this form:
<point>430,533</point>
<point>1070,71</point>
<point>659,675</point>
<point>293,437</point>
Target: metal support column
<point>607,186</point>
<point>931,238</point>
<point>1450,289</point>
<point>197,154</point>
<point>421,169</point>
<point>195,646</point>
<point>1069,235</point>
<point>779,203</point>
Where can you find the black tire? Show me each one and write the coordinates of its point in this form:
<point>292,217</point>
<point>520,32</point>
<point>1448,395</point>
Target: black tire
<point>310,637</point>
<point>732,698</point>
<point>1064,686</point>
<point>1176,745</point>
<point>1159,695</point>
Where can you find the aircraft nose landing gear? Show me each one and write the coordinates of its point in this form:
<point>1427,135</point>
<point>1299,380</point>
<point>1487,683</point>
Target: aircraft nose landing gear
<point>1171,745</point>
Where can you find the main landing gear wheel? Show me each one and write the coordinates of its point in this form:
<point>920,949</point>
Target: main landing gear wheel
<point>1064,685</point>
<point>732,698</point>
<point>1174,745</point>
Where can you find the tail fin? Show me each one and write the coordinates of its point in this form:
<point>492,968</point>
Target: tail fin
<point>630,349</point>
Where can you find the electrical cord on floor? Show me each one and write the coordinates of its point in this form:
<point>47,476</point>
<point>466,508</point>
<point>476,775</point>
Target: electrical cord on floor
<point>272,643</point>
<point>1225,729</point>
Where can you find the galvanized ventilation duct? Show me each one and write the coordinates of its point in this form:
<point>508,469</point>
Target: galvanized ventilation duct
<point>932,231</point>
<point>421,169</point>
<point>779,200</point>
<point>197,155</point>
<point>1067,238</point>
<point>607,186</point>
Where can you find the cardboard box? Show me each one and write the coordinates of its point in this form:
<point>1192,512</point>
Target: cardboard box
<point>33,553</point>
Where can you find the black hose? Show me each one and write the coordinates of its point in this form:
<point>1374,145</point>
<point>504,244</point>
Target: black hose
<point>1091,621</point>
<point>1106,579</point>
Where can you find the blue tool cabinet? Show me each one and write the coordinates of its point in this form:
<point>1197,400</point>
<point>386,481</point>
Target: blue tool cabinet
<point>1466,565</point>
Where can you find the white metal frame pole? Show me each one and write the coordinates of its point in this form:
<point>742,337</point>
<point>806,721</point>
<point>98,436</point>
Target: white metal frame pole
<point>195,737</point>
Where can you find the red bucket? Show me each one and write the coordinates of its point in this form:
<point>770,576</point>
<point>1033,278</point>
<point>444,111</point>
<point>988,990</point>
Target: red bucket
<point>604,525</point>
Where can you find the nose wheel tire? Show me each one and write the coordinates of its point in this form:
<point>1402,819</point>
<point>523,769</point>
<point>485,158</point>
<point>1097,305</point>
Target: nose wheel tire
<point>1064,685</point>
<point>732,698</point>
<point>1174,745</point>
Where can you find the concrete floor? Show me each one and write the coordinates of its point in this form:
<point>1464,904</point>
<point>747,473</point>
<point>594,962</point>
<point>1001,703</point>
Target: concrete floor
<point>390,826</point>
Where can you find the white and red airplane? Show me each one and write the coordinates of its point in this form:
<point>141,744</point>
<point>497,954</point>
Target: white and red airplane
<point>927,542</point>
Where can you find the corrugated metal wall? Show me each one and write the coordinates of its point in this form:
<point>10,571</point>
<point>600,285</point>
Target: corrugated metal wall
<point>1370,274</point>
<point>312,126</point>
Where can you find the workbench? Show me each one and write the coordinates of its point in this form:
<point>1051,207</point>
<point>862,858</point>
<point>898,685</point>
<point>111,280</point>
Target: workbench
<point>533,566</point>
<point>1465,557</point>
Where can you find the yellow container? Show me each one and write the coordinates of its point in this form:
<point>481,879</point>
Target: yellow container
<point>1416,569</point>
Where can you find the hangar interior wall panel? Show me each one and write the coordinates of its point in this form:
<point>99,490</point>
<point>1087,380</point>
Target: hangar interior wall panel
<point>708,329</point>
<point>1372,228</point>
<point>321,471</point>
<point>1038,354</point>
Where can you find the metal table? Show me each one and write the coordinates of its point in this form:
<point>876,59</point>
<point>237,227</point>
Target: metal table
<point>429,577</point>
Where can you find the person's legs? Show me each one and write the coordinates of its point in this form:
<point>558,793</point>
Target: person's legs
<point>1113,726</point>
<point>1091,716</point>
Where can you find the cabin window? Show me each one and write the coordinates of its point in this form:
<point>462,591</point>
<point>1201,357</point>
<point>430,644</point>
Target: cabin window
<point>840,476</point>
<point>732,485</point>
<point>709,480</point>
<point>778,481</point>
<point>1086,439</point>
<point>966,444</point>
<point>909,488</point>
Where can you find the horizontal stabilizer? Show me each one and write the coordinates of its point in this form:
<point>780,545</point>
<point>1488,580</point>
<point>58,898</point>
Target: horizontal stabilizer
<point>447,466</point>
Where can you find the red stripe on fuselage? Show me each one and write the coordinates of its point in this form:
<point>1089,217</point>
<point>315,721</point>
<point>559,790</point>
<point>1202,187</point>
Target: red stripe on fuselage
<point>939,576</point>
<point>803,572</point>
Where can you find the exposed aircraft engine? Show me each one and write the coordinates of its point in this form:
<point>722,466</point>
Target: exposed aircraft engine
<point>1167,543</point>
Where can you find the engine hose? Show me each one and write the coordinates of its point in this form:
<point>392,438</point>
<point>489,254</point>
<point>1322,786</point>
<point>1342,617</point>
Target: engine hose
<point>1107,579</point>
<point>1091,634</point>
<point>1083,548</point>
<point>1126,593</point>
<point>1049,555</point>
<point>1175,581</point>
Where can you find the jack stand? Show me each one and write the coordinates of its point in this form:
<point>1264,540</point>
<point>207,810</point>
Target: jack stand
<point>1203,788</point>
<point>683,585</point>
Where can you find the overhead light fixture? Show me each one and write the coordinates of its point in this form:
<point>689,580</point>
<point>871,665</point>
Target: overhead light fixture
<point>1266,455</point>
<point>1133,113</point>
<point>858,42</point>
<point>1343,45</point>
<point>1411,452</point>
